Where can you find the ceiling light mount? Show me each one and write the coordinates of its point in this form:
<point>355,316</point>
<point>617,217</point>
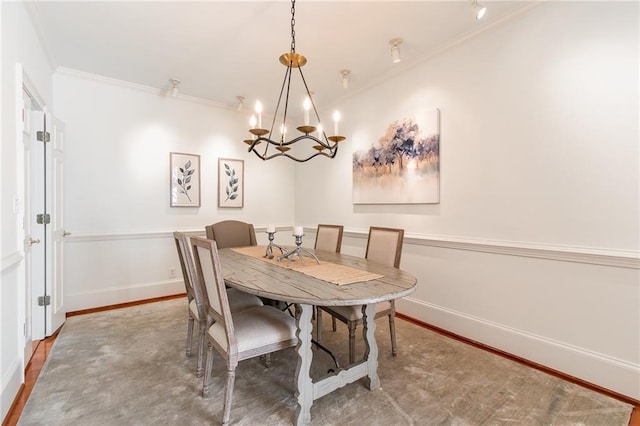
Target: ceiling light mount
<point>240,104</point>
<point>175,86</point>
<point>395,49</point>
<point>478,10</point>
<point>345,78</point>
<point>321,144</point>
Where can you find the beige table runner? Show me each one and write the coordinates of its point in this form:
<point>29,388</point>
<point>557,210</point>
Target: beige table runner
<point>325,271</point>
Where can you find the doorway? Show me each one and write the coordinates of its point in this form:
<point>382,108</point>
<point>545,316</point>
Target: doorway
<point>43,220</point>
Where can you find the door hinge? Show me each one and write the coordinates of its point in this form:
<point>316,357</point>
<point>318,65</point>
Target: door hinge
<point>43,219</point>
<point>43,136</point>
<point>44,300</point>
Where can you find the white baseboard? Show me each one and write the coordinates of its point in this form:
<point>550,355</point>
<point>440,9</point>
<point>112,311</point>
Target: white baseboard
<point>11,381</point>
<point>117,295</point>
<point>617,375</point>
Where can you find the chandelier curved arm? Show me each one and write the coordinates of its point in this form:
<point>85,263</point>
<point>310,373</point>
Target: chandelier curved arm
<point>299,160</point>
<point>324,148</point>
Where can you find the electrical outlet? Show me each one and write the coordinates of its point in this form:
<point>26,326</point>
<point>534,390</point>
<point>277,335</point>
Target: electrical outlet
<point>172,272</point>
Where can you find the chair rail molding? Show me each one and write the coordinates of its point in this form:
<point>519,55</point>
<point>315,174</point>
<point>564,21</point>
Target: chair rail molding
<point>604,257</point>
<point>11,260</point>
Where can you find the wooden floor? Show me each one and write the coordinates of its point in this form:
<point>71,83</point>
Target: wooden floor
<point>41,352</point>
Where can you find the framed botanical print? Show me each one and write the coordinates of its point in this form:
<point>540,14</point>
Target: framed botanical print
<point>230,183</point>
<point>184,170</point>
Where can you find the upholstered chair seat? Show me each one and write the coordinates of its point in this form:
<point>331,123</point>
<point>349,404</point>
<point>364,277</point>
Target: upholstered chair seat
<point>250,333</point>
<point>196,295</point>
<point>255,328</point>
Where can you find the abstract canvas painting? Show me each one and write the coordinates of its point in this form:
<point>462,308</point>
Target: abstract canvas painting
<point>402,166</point>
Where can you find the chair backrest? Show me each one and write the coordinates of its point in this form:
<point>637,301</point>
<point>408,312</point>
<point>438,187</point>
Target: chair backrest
<point>191,282</point>
<point>329,238</point>
<point>384,245</point>
<point>232,233</point>
<point>207,265</point>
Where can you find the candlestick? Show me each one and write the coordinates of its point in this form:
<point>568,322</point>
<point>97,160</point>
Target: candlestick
<point>269,251</point>
<point>298,251</point>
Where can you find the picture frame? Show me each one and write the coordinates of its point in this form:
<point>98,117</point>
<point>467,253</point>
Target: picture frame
<point>230,183</point>
<point>403,165</point>
<point>184,180</point>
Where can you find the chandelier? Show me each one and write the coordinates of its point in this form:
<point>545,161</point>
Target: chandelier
<point>318,143</point>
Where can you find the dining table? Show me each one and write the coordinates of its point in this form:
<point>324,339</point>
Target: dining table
<point>333,279</point>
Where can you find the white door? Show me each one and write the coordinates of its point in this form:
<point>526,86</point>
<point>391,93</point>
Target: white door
<point>35,237</point>
<point>29,240</point>
<point>47,225</point>
<point>55,312</point>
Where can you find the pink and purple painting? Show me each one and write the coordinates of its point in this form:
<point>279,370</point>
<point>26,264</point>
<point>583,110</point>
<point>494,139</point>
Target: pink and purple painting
<point>403,167</point>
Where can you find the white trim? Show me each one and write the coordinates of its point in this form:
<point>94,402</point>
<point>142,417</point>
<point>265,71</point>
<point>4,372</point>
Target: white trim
<point>612,373</point>
<point>86,238</point>
<point>604,257</point>
<point>141,87</point>
<point>439,50</point>
<point>10,385</point>
<point>11,260</point>
<point>117,295</point>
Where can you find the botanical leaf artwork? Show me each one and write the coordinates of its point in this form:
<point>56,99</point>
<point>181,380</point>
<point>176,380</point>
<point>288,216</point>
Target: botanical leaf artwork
<point>232,184</point>
<point>183,179</point>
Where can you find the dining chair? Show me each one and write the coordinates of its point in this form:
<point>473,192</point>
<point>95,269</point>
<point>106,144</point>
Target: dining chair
<point>329,238</point>
<point>384,245</point>
<point>253,332</point>
<point>196,298</point>
<point>232,233</point>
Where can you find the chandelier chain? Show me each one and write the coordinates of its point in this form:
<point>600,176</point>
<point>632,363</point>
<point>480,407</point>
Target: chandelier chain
<point>293,24</point>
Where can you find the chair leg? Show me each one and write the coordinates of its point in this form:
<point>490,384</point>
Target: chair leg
<point>352,340</point>
<point>202,348</point>
<point>189,335</point>
<point>266,358</point>
<point>208,369</point>
<point>228,395</point>
<point>319,325</point>
<point>392,331</point>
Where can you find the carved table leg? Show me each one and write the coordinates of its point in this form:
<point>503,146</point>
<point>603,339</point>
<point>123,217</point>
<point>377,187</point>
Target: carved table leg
<point>371,347</point>
<point>304,392</point>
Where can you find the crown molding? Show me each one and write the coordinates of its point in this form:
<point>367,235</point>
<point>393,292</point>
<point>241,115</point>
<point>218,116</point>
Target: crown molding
<point>139,87</point>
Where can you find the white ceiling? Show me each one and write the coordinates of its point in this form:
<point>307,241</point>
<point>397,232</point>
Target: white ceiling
<point>223,49</point>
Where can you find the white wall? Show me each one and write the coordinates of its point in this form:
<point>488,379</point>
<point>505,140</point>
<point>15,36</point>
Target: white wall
<point>533,248</point>
<point>20,45</point>
<point>118,141</point>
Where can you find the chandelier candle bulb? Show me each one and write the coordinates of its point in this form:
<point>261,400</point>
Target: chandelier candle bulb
<point>336,119</point>
<point>297,231</point>
<point>271,229</point>
<point>259,112</point>
<point>307,107</point>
